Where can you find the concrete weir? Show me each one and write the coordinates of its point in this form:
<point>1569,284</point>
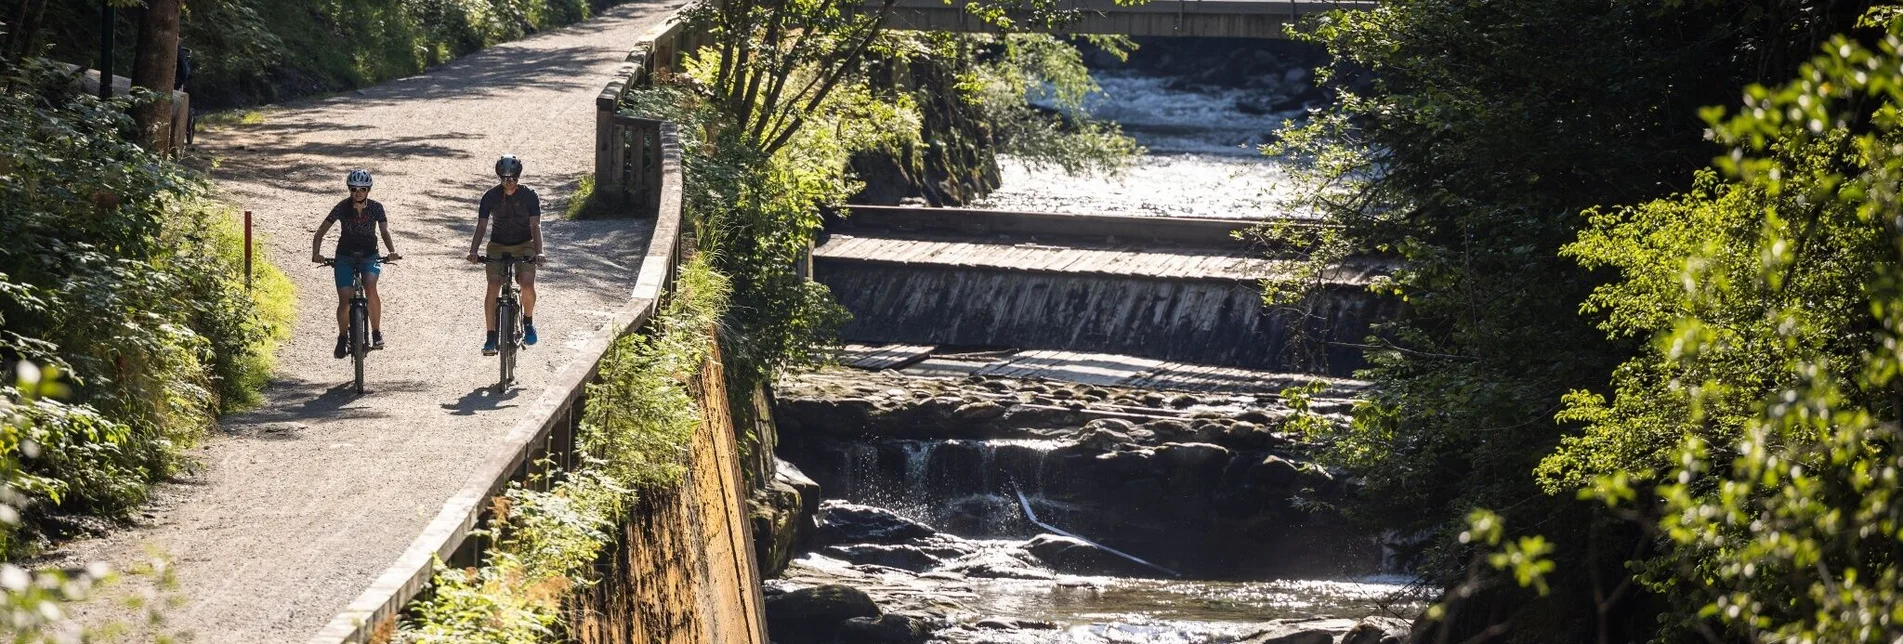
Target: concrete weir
<point>1165,288</point>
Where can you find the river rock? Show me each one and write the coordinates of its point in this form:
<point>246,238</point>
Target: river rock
<point>1013,624</point>
<point>1291,636</point>
<point>1102,437</point>
<point>1000,564</point>
<point>1275,471</point>
<point>815,615</point>
<point>841,522</point>
<point>1377,630</point>
<point>978,411</point>
<point>1074,556</point>
<point>1192,456</point>
<point>1170,431</point>
<point>884,629</point>
<point>782,516</point>
<point>903,557</point>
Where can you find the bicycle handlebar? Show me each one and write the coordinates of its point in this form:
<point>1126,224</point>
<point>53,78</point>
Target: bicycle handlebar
<point>332,261</point>
<point>507,259</point>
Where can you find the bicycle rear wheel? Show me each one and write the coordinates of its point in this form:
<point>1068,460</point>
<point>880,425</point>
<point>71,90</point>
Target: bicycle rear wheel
<point>359,340</point>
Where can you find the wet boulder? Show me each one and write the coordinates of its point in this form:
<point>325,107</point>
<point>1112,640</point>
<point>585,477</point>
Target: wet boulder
<point>841,522</point>
<point>1377,630</point>
<point>884,629</point>
<point>815,615</point>
<point>1275,471</point>
<point>1074,556</point>
<point>1192,456</point>
<point>1105,434</point>
<point>1000,564</point>
<point>903,557</point>
<point>1170,430</point>
<point>781,516</point>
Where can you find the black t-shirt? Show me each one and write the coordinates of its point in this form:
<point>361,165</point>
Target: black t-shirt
<point>511,213</point>
<point>359,234</point>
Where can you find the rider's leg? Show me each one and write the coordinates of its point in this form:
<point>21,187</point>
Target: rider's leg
<point>489,303</point>
<point>525,278</point>
<point>376,303</point>
<point>343,309</point>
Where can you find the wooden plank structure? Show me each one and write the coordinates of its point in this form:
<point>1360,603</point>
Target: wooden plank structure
<point>888,356</point>
<point>1086,368</point>
<point>1003,253</point>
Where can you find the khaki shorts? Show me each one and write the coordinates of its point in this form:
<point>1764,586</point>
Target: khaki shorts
<point>496,251</point>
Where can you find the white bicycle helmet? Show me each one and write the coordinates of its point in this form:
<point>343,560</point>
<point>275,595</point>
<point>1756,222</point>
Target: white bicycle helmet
<point>359,178</point>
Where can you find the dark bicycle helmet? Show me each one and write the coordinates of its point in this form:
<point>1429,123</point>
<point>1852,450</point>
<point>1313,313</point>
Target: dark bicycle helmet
<point>508,166</point>
<point>358,178</point>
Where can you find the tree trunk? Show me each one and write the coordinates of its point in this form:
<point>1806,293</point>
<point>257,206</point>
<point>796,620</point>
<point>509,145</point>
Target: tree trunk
<point>21,31</point>
<point>152,68</point>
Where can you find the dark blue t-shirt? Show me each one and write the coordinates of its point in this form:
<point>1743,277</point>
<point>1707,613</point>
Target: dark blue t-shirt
<point>509,215</point>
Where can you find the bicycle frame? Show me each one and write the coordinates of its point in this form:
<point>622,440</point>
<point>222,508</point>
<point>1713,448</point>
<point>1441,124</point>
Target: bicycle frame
<point>508,317</point>
<point>358,333</point>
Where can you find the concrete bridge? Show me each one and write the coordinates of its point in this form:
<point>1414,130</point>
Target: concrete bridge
<point>1183,18</point>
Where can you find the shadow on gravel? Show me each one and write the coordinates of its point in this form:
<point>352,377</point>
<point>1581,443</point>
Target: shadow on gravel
<point>302,400</point>
<point>493,72</point>
<point>482,398</point>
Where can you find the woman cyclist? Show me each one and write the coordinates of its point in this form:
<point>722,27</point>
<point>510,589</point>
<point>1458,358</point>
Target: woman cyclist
<point>362,219</point>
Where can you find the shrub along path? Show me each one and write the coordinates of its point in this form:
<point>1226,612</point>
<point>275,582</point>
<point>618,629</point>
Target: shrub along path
<point>303,501</point>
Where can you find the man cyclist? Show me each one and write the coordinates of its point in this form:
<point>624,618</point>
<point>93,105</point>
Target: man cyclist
<point>512,214</point>
<point>362,219</point>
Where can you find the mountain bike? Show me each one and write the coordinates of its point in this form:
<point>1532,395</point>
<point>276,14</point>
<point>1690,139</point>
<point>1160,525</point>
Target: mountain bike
<point>359,333</point>
<point>508,316</point>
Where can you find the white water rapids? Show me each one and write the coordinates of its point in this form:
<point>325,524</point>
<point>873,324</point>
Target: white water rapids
<point>1203,156</point>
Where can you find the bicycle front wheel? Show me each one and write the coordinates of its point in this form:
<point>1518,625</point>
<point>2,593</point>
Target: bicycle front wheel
<point>359,341</point>
<point>505,339</point>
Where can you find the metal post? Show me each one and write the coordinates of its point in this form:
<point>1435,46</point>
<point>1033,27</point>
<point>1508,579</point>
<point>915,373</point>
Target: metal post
<point>247,250</point>
<point>105,49</point>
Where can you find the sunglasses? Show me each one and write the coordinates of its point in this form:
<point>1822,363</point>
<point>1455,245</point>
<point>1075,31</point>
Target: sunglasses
<point>511,178</point>
<point>359,189</point>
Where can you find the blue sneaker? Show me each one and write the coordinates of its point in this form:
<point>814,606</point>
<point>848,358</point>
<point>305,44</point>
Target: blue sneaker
<point>528,334</point>
<point>489,345</point>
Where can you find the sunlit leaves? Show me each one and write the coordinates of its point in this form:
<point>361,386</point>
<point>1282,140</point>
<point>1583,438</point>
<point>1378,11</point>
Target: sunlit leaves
<point>1776,362</point>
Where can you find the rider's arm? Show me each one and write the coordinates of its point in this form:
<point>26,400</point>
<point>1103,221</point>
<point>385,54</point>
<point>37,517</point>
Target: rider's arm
<point>535,222</point>
<point>535,234</point>
<point>482,225</point>
<point>383,225</point>
<point>317,240</point>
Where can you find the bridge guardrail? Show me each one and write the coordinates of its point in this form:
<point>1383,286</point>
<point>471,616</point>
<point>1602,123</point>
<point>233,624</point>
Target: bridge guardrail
<point>548,430</point>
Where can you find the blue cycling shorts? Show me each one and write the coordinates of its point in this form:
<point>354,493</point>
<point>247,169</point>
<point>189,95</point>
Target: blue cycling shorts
<point>342,269</point>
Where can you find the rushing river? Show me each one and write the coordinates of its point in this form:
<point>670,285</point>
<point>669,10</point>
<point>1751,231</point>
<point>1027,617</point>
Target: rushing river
<point>1203,154</point>
<point>986,574</point>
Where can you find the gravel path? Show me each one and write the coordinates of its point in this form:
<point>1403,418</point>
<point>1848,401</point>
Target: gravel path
<point>303,501</point>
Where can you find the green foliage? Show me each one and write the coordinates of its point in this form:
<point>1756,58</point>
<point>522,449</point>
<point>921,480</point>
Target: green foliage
<point>1041,66</point>
<point>634,438</point>
<point>641,414</point>
<point>755,215</point>
<point>251,51</point>
<point>121,272</point>
<point>1765,413</point>
<point>1469,137</point>
<point>549,542</point>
